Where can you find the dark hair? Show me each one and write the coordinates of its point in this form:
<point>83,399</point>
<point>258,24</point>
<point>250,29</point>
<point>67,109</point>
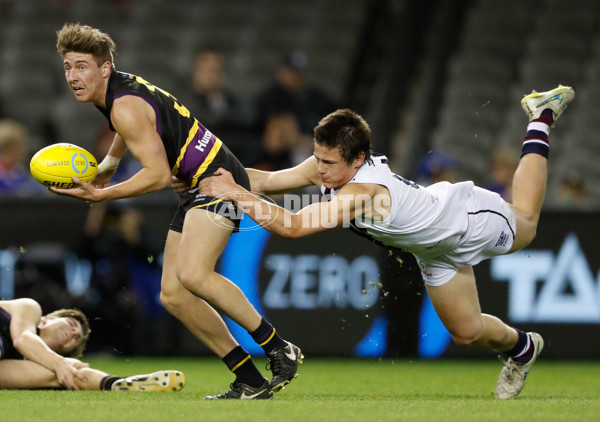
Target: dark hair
<point>346,130</point>
<point>80,317</point>
<point>85,39</point>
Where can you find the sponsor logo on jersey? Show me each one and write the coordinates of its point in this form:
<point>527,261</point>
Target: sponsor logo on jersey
<point>203,142</point>
<point>502,239</point>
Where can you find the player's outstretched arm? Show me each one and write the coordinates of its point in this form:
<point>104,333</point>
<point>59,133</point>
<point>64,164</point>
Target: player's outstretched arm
<point>352,200</point>
<point>287,180</point>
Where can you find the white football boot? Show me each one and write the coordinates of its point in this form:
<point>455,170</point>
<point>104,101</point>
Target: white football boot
<point>157,381</point>
<point>513,375</point>
<point>556,100</point>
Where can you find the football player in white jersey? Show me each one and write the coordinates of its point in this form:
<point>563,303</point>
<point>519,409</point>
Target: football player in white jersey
<point>448,227</point>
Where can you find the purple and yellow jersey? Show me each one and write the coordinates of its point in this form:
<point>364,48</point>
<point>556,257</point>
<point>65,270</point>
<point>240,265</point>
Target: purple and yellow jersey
<point>192,150</point>
<point>7,349</point>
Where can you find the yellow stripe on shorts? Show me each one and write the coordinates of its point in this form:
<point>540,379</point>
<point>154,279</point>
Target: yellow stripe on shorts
<point>206,205</point>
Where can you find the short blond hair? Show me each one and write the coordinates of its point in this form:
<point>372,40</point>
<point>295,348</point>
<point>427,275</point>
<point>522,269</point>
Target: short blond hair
<point>73,37</point>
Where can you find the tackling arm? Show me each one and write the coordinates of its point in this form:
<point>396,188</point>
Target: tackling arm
<point>351,201</point>
<point>301,176</point>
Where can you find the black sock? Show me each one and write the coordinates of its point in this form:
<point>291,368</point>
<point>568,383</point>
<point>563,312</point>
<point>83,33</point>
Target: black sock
<point>266,337</point>
<point>107,382</point>
<point>240,363</point>
<point>523,350</point>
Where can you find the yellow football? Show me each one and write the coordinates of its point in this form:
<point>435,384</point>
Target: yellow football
<point>56,164</point>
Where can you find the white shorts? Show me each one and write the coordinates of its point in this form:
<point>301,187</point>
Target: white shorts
<point>491,232</point>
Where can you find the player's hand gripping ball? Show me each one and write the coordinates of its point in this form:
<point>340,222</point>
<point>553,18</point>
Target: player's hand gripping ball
<point>56,164</point>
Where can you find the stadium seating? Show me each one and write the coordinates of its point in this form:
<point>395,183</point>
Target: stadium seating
<point>497,55</point>
<point>505,52</point>
<point>157,40</point>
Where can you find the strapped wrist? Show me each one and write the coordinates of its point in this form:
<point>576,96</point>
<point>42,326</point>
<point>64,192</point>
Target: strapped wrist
<point>109,163</point>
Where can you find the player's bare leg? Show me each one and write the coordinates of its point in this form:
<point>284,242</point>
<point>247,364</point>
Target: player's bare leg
<point>24,374</point>
<point>27,375</point>
<point>198,317</point>
<point>201,244</point>
<point>205,235</point>
<point>528,191</point>
<point>457,305</point>
<point>192,291</point>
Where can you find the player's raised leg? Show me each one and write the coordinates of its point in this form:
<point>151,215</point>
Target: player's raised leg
<point>529,188</point>
<point>529,183</point>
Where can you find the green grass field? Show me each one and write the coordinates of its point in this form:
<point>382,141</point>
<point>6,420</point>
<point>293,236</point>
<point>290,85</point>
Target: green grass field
<point>328,390</point>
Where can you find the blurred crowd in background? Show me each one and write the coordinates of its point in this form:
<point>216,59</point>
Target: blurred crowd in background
<point>261,73</point>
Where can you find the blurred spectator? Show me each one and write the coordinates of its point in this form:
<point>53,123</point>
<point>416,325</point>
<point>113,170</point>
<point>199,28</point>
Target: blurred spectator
<point>125,281</point>
<point>216,107</point>
<point>572,192</point>
<point>15,178</point>
<point>212,103</point>
<point>437,167</point>
<point>282,145</point>
<point>503,164</point>
<point>290,93</point>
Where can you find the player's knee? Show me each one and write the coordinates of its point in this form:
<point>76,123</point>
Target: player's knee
<point>467,337</point>
<point>194,280</point>
<point>524,238</point>
<point>173,300</point>
<point>168,301</point>
<point>531,234</point>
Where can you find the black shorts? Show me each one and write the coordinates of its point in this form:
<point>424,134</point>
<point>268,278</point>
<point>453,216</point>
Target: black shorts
<point>228,209</point>
<point>193,200</point>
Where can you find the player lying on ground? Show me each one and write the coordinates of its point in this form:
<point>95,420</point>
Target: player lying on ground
<point>40,352</point>
<point>448,227</point>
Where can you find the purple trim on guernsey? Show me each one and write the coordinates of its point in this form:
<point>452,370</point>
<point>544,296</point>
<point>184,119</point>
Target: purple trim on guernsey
<point>152,104</point>
<point>196,152</point>
<point>5,312</point>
